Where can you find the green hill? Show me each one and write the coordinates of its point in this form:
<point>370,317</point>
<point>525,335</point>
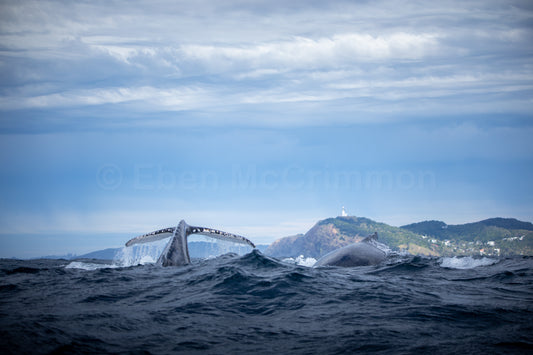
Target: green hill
<point>495,236</point>
<point>500,236</point>
<point>435,229</point>
<point>494,229</point>
<point>333,233</point>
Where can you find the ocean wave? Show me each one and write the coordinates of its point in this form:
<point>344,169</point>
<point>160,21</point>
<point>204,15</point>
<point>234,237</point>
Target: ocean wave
<point>23,270</point>
<point>258,304</point>
<point>257,259</point>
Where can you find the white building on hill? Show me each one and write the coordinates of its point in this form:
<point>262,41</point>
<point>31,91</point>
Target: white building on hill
<point>343,213</point>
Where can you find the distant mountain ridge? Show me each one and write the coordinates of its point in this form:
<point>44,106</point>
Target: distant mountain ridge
<point>486,230</point>
<point>495,236</point>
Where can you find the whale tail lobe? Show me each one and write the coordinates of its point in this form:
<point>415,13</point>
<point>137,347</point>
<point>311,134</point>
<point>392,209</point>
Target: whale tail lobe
<point>177,252</point>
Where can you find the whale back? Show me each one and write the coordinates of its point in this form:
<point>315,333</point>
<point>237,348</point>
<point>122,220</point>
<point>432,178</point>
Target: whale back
<point>362,253</point>
<point>370,239</point>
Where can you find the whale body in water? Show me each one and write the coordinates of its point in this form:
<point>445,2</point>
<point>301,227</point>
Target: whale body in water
<point>176,253</point>
<point>365,252</point>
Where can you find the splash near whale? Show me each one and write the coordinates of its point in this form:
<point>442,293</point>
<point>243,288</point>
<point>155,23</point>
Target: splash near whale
<point>367,252</point>
<point>176,253</point>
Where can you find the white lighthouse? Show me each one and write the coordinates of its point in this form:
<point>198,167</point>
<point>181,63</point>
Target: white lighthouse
<point>343,213</point>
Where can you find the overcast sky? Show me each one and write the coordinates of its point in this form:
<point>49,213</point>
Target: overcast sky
<point>258,117</point>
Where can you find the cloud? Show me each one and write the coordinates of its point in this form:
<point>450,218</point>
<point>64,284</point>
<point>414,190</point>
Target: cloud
<point>263,58</point>
<point>308,53</point>
<point>183,98</point>
<point>224,61</point>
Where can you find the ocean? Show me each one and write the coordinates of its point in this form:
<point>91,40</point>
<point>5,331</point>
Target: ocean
<point>254,304</point>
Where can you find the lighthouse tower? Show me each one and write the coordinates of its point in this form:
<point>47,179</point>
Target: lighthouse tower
<point>343,213</point>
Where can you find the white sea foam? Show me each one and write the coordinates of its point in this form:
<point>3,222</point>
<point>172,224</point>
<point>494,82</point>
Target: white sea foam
<point>89,266</point>
<point>466,262</point>
<point>301,260</point>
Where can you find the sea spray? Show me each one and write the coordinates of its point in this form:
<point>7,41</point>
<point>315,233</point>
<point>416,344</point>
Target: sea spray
<point>301,260</point>
<point>202,247</point>
<point>466,262</point>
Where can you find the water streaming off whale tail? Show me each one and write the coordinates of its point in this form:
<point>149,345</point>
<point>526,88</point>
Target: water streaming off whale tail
<point>200,247</point>
<point>140,254</point>
<point>252,303</point>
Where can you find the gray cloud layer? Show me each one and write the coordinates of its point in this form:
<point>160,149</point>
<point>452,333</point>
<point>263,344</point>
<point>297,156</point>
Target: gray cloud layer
<point>344,60</point>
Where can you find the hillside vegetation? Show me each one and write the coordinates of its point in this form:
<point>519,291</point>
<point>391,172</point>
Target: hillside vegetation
<point>496,236</point>
<point>332,233</point>
<point>501,236</point>
<point>489,229</point>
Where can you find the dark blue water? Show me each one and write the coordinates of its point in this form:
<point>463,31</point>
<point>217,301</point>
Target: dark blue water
<point>254,304</point>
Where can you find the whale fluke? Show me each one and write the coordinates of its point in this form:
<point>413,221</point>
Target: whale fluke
<point>152,236</point>
<point>176,252</point>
